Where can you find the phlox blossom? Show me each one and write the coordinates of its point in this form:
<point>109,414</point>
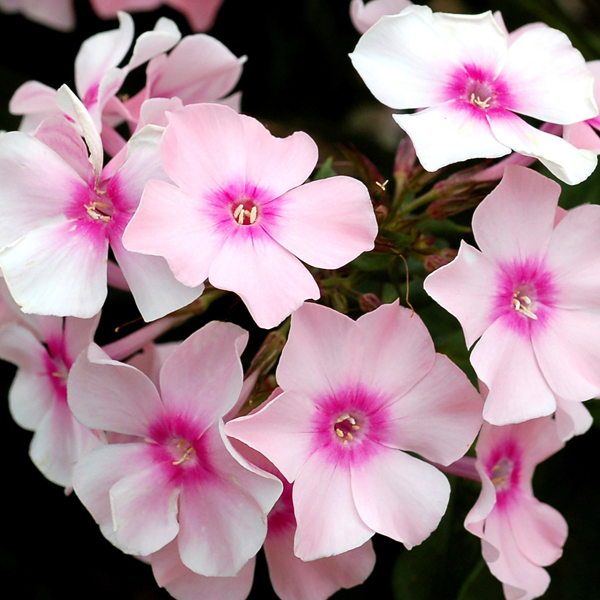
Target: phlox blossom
<point>519,534</point>
<point>239,215</point>
<point>357,396</point>
<point>531,292</point>
<point>62,211</point>
<point>180,481</point>
<point>44,350</point>
<point>470,78</point>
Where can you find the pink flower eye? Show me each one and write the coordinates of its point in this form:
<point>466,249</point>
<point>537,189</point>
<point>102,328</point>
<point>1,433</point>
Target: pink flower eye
<point>345,427</point>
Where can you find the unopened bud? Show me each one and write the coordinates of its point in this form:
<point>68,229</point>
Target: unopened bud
<point>439,259</point>
<point>369,302</point>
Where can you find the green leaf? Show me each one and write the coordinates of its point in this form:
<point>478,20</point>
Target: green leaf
<point>326,170</point>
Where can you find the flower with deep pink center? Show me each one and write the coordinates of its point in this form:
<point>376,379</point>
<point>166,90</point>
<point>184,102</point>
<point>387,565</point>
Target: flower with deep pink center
<point>519,535</point>
<point>239,215</point>
<point>356,397</point>
<point>62,211</point>
<point>178,480</point>
<point>470,77</point>
<point>531,293</point>
<point>44,349</point>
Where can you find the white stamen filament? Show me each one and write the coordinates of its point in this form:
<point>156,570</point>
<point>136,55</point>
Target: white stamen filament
<point>241,213</point>
<point>479,102</point>
<point>523,305</point>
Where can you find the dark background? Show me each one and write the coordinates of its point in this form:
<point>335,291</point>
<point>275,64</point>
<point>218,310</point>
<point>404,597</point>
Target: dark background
<point>297,76</point>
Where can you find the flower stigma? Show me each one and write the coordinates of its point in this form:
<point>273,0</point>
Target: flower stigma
<point>345,427</point>
<point>501,473</point>
<point>245,216</point>
<point>186,453</point>
<point>522,304</point>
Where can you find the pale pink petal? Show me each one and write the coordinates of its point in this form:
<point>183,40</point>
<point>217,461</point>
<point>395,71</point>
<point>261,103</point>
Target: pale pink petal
<point>109,395</point>
<point>275,428</point>
<point>31,395</point>
<point>144,507</point>
<point>404,61</point>
<point>61,135</point>
<point>540,531</point>
<point>466,288</point>
<point>272,282</point>
<point>35,185</point>
<point>505,361</point>
<point>275,165</point>
<point>400,496</point>
<point>582,135</point>
<point>152,43</point>
<point>201,15</point>
<point>59,442</point>
<point>366,15</point>
<point>33,97</point>
<point>516,220</point>
<point>511,567</point>
<point>203,148</point>
<point>203,377</point>
<point>439,417</point>
<point>59,14</point>
<point>475,520</point>
<point>99,470</point>
<point>567,349</point>
<point>183,584</point>
<point>573,258</point>
<point>548,78</point>
<point>325,223</point>
<point>199,69</point>
<point>152,283</point>
<point>325,344</point>
<point>221,524</point>
<point>567,162</point>
<point>327,517</point>
<point>295,579</point>
<point>398,350</point>
<point>450,132</point>
<point>57,270</point>
<point>100,53</point>
<point>572,418</point>
<point>165,218</point>
<point>78,335</point>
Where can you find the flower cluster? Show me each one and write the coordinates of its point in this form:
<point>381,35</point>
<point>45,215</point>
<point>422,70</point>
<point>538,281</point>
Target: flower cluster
<point>343,421</point>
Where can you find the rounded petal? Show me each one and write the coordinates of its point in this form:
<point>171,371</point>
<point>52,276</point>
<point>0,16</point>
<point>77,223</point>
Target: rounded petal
<point>323,352</point>
<point>400,496</point>
<point>272,282</point>
<point>111,396</point>
<point>567,162</point>
<point>57,270</point>
<point>567,349</point>
<point>440,416</point>
<point>144,507</point>
<point>326,513</point>
<point>404,61</point>
<point>398,350</point>
<point>548,78</point>
<point>203,377</point>
<point>572,418</point>
<point>451,132</point>
<point>466,288</point>
<point>326,223</point>
<point>169,223</point>
<point>505,361</point>
<point>516,220</point>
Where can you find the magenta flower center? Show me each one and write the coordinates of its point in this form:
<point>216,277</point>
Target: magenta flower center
<point>478,88</point>
<point>244,211</point>
<point>99,207</point>
<point>346,427</point>
<point>524,302</point>
<point>182,451</point>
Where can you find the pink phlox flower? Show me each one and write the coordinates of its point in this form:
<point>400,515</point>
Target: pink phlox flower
<point>61,211</point>
<point>200,14</point>
<point>531,294</point>
<point>58,14</point>
<point>239,215</point>
<point>98,76</point>
<point>357,396</point>
<point>44,349</point>
<point>366,15</point>
<point>182,481</point>
<point>199,69</point>
<point>470,78</point>
<point>519,535</point>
